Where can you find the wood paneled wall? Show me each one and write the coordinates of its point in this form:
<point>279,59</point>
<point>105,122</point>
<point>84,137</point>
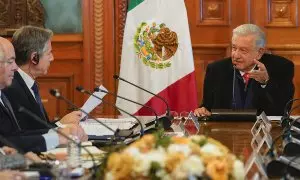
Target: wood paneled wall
<point>65,73</point>
<point>94,57</point>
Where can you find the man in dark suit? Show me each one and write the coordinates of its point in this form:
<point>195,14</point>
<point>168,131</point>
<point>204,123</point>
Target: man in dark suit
<point>250,78</point>
<point>33,56</point>
<point>36,141</point>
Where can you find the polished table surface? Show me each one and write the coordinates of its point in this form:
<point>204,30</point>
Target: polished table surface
<point>235,135</point>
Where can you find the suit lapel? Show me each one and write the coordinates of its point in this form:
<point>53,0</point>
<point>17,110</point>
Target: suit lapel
<point>9,111</point>
<point>7,124</point>
<point>31,99</point>
<point>227,88</point>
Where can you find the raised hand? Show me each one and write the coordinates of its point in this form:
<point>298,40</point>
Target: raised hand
<point>261,75</point>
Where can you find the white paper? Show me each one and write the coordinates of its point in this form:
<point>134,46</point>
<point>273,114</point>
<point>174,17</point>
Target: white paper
<point>92,127</point>
<point>93,102</point>
<point>278,118</point>
<point>92,149</point>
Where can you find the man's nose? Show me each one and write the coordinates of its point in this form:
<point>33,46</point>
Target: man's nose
<point>236,54</point>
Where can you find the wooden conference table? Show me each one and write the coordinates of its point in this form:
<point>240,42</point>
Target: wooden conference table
<point>235,135</point>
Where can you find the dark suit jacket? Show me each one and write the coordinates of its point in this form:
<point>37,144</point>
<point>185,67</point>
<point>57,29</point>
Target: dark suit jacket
<point>218,85</point>
<point>19,95</point>
<point>25,141</point>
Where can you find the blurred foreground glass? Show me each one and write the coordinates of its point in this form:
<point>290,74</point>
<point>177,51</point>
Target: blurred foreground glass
<point>179,116</point>
<point>184,117</point>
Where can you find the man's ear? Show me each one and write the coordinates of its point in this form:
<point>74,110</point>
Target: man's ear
<point>261,52</point>
<point>34,58</point>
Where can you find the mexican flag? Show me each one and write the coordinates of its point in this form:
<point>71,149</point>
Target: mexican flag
<point>157,55</point>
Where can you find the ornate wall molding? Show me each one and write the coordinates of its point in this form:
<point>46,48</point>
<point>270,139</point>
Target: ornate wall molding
<point>282,13</point>
<point>99,44</point>
<point>213,12</point>
<point>17,13</point>
<point>120,22</point>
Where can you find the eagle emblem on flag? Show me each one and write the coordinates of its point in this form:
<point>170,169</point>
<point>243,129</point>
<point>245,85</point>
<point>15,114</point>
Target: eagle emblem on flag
<point>155,44</point>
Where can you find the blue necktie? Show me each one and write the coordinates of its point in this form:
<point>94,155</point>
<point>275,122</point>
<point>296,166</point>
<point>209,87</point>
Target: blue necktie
<point>35,90</point>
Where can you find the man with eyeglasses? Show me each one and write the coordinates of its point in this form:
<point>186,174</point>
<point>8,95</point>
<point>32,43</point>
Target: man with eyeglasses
<point>250,78</point>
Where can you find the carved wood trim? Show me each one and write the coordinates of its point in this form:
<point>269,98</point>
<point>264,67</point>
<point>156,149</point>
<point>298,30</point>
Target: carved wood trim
<point>282,13</point>
<point>120,21</point>
<point>212,49</point>
<point>216,13</point>
<point>98,45</point>
<point>284,46</point>
<point>17,13</point>
<point>121,14</point>
<point>67,38</point>
<point>216,48</point>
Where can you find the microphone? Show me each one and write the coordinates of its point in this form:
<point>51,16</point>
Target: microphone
<point>97,89</point>
<point>233,103</point>
<point>118,133</point>
<point>283,166</point>
<point>291,141</point>
<point>82,90</point>
<point>285,119</point>
<point>165,120</point>
<point>38,119</point>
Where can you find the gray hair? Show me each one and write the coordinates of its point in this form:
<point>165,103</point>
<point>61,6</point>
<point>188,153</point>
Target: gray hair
<point>251,29</point>
<point>29,39</point>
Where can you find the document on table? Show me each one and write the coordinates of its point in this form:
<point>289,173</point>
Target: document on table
<point>93,128</point>
<point>278,118</point>
<point>93,102</point>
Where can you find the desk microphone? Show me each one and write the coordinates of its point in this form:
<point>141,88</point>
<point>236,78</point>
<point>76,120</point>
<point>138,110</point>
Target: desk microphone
<point>119,133</point>
<point>38,119</point>
<point>285,119</point>
<point>97,89</point>
<point>291,144</point>
<point>82,90</point>
<point>165,120</point>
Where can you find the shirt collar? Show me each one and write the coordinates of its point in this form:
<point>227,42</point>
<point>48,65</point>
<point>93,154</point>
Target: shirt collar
<point>27,79</point>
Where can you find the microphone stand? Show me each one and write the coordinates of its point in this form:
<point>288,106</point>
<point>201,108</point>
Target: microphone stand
<point>82,90</point>
<point>97,89</point>
<point>165,120</point>
<point>233,103</point>
<point>285,119</point>
<point>35,117</point>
